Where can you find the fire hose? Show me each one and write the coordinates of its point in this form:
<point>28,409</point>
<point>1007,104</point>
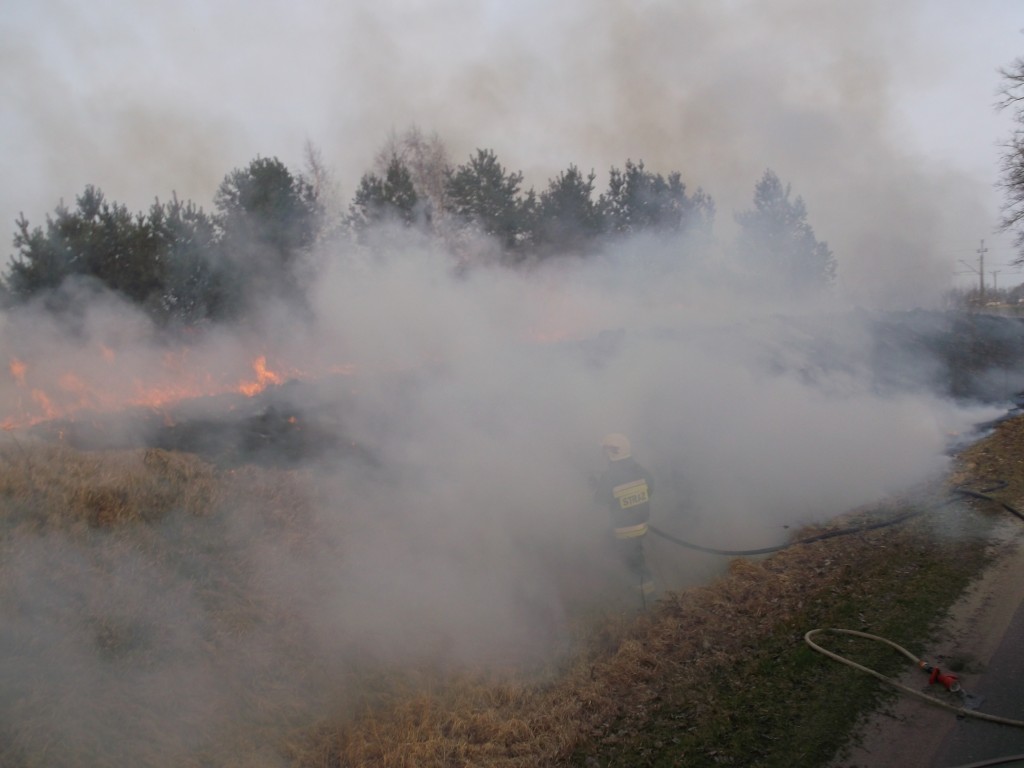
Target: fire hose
<point>807,540</point>
<point>949,681</point>
<point>935,675</point>
<point>954,494</point>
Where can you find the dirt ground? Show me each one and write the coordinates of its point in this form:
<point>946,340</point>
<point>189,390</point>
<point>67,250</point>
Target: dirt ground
<point>909,733</point>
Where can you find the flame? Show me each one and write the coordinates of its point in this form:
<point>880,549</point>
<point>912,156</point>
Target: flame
<point>264,378</point>
<point>34,394</point>
<point>18,369</point>
<point>44,403</point>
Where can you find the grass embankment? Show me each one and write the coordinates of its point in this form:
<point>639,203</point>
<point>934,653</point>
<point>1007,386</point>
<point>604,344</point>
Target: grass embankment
<point>133,624</point>
<point>717,675</point>
<point>738,686</point>
<point>714,675</point>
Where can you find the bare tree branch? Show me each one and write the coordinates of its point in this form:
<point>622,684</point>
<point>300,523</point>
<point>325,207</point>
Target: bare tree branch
<point>1012,165</point>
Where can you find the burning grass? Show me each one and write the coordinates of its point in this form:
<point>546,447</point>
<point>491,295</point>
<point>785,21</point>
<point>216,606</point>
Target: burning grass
<point>712,675</point>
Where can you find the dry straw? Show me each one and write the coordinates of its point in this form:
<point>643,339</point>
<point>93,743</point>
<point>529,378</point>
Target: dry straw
<point>618,668</point>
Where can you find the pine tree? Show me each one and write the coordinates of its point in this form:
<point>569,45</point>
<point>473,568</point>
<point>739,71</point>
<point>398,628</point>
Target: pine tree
<point>776,241</point>
<point>482,193</point>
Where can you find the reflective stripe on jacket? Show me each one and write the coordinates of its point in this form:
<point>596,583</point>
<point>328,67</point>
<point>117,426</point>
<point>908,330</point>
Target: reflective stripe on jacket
<point>631,531</point>
<point>627,488</point>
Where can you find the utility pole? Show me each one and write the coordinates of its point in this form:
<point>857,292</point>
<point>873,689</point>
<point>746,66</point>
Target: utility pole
<point>995,281</point>
<point>982,250</point>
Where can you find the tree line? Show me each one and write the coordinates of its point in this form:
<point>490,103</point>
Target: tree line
<point>184,265</point>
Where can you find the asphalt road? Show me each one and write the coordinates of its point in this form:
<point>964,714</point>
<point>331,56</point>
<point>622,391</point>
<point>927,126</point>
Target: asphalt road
<point>1001,693</point>
<point>986,630</point>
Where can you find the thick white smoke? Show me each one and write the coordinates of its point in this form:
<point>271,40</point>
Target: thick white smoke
<point>879,114</point>
<point>453,522</point>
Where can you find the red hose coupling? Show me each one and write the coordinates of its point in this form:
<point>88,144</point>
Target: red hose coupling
<point>952,682</point>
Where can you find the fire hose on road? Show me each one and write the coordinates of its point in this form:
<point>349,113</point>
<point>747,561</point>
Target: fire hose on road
<point>949,681</point>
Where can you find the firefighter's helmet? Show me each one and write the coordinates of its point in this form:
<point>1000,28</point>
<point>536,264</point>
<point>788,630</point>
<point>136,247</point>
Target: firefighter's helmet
<point>616,446</point>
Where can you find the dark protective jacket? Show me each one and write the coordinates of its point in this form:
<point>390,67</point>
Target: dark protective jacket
<point>626,487</point>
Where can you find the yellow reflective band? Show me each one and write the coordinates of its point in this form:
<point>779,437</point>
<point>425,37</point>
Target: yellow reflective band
<point>631,531</point>
<point>631,494</point>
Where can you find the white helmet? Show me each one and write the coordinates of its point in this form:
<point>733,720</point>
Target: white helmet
<point>616,446</point>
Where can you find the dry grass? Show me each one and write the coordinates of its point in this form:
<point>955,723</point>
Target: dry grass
<point>994,461</point>
<point>51,486</point>
<point>677,660</point>
<point>130,580</point>
<point>624,670</point>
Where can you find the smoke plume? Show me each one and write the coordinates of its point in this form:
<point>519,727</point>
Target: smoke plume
<point>449,521</point>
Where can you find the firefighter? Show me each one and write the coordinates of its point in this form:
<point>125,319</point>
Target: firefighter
<point>626,487</point>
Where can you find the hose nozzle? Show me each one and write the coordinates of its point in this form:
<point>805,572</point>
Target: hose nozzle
<point>949,680</point>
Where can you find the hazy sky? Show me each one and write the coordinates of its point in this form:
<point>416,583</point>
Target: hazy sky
<point>879,113</point>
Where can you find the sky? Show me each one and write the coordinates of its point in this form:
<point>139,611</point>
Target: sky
<point>879,114</point>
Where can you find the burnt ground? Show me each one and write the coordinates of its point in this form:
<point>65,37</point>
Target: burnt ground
<point>283,426</point>
<point>966,357</point>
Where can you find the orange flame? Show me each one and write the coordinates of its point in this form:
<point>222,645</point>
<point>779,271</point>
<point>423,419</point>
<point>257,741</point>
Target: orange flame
<point>44,403</point>
<point>264,378</point>
<point>18,369</point>
<point>175,380</point>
